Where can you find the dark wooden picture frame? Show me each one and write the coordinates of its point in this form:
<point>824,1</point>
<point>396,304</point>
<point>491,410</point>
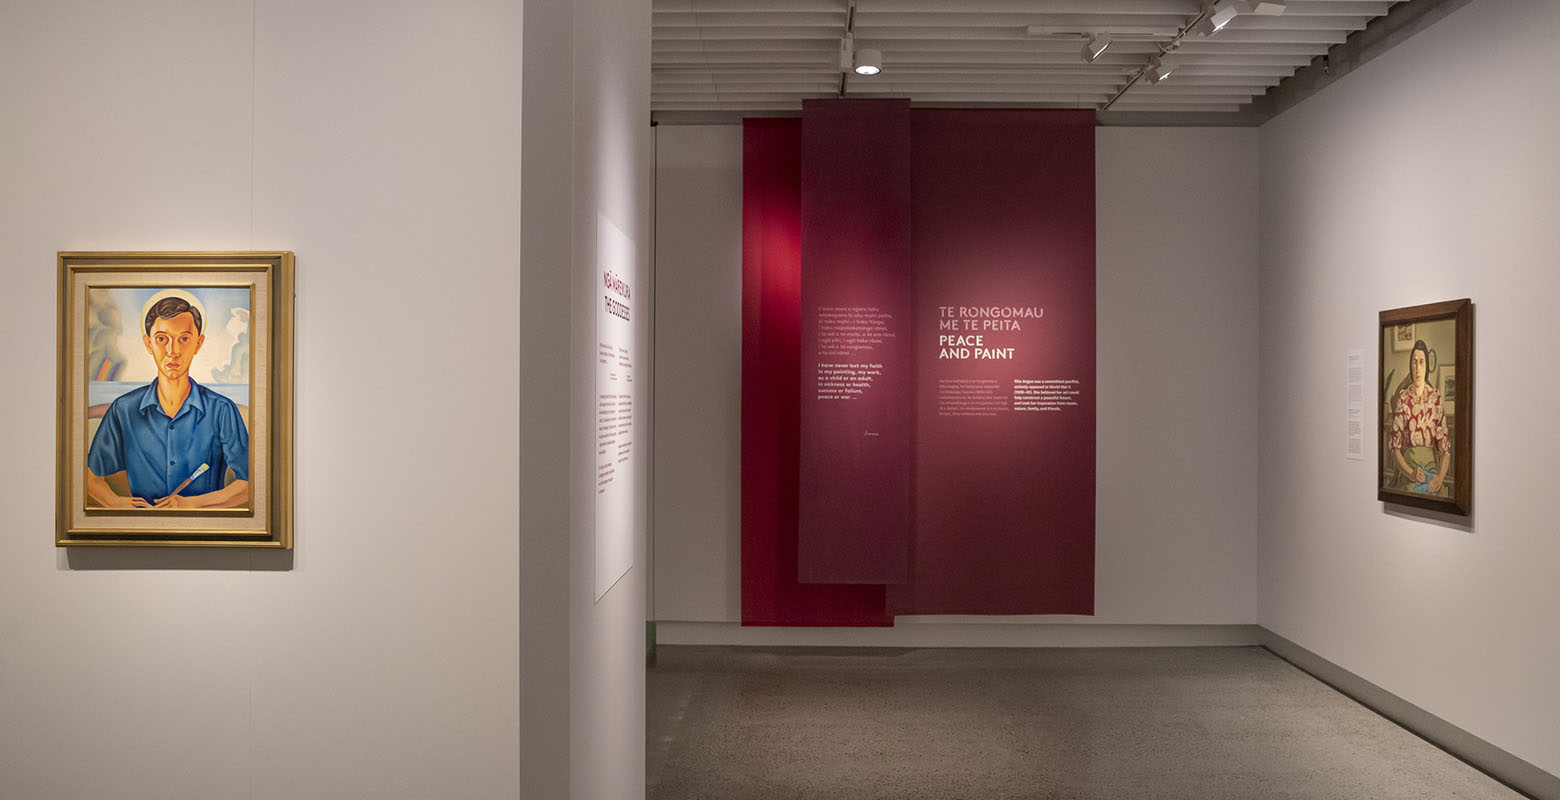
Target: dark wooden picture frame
<point>1424,450</point>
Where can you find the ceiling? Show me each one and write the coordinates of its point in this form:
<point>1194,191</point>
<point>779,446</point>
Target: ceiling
<point>766,56</point>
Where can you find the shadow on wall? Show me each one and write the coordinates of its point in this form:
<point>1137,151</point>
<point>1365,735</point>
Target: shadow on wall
<point>194,558</point>
<point>1450,521</point>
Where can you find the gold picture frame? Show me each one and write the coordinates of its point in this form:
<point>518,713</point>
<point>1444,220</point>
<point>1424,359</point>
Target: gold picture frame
<point>175,402</point>
<point>1425,442</point>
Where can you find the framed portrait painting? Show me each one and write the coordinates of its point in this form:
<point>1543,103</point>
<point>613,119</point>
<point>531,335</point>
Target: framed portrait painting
<point>1425,451</point>
<point>175,417</point>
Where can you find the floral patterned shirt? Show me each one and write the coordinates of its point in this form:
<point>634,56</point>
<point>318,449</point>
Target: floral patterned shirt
<point>1420,421</point>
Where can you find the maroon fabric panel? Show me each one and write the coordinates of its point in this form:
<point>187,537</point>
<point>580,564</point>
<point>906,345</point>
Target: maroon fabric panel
<point>771,340</point>
<point>857,409</point>
<point>1003,227</point>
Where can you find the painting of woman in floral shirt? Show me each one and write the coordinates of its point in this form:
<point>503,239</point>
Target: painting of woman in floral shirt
<point>1420,445</point>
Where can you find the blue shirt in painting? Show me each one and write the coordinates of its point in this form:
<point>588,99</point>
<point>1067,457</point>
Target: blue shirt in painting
<point>158,453</point>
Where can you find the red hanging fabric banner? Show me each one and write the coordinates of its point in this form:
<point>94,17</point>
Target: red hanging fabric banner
<point>1003,240</point>
<point>771,385</point>
<point>857,363</point>
<point>1001,371</point>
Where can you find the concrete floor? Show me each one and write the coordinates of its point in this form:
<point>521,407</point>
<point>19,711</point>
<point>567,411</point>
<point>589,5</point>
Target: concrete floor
<point>1208,722</point>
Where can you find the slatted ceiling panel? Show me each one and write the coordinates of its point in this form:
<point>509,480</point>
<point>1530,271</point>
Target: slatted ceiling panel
<point>1179,89</point>
<point>998,81</point>
<point>1255,36</point>
<point>1254,72</point>
<point>769,55</point>
<point>1296,22</point>
<point>1188,108</point>
<point>788,33</point>
<point>1025,97</point>
<point>959,14</point>
<point>799,89</point>
<point>1251,48</point>
<point>690,19</point>
<point>1033,7</point>
<point>955,15</point>
<point>757,6</point>
<point>1016,100</point>
<point>1151,97</point>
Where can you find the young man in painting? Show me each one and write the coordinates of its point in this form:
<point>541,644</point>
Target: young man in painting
<point>160,434</point>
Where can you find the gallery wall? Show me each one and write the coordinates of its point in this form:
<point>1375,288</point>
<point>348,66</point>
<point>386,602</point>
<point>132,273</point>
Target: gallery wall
<point>1177,394</point>
<point>611,186</point>
<point>546,398</point>
<point>374,139</point>
<point>1427,175</point>
<point>696,497</point>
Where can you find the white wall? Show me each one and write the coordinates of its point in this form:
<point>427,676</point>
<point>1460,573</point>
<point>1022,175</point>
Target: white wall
<point>546,308</point>
<point>1177,300</point>
<point>698,373</point>
<point>380,658</point>
<point>611,178</point>
<point>1429,174</point>
<point>1177,304</point>
<point>586,114</point>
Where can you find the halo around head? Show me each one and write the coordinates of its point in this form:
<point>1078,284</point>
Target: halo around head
<point>140,321</point>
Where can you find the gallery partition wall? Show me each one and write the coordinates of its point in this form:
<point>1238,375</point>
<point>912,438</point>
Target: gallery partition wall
<point>380,656</point>
<point>439,171</point>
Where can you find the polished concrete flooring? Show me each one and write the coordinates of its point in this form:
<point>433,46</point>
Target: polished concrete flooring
<point>1207,722</point>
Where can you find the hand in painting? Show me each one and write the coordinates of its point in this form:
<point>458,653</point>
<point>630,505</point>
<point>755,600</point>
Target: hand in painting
<point>234,495</point>
<point>120,501</point>
<point>99,490</point>
<point>1445,461</point>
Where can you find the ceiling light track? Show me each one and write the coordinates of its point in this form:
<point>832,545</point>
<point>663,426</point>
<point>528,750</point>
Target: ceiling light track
<point>866,61</point>
<point>847,47</point>
<point>1215,15</point>
<point>1156,65</point>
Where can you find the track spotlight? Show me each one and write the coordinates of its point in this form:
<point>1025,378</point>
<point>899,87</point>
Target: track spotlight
<point>1157,70</point>
<point>869,61</point>
<point>1096,46</point>
<point>1267,8</point>
<point>1215,16</point>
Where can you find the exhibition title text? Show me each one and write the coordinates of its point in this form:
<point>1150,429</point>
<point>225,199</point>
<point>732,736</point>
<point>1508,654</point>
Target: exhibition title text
<point>962,330</point>
<point>619,287</point>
